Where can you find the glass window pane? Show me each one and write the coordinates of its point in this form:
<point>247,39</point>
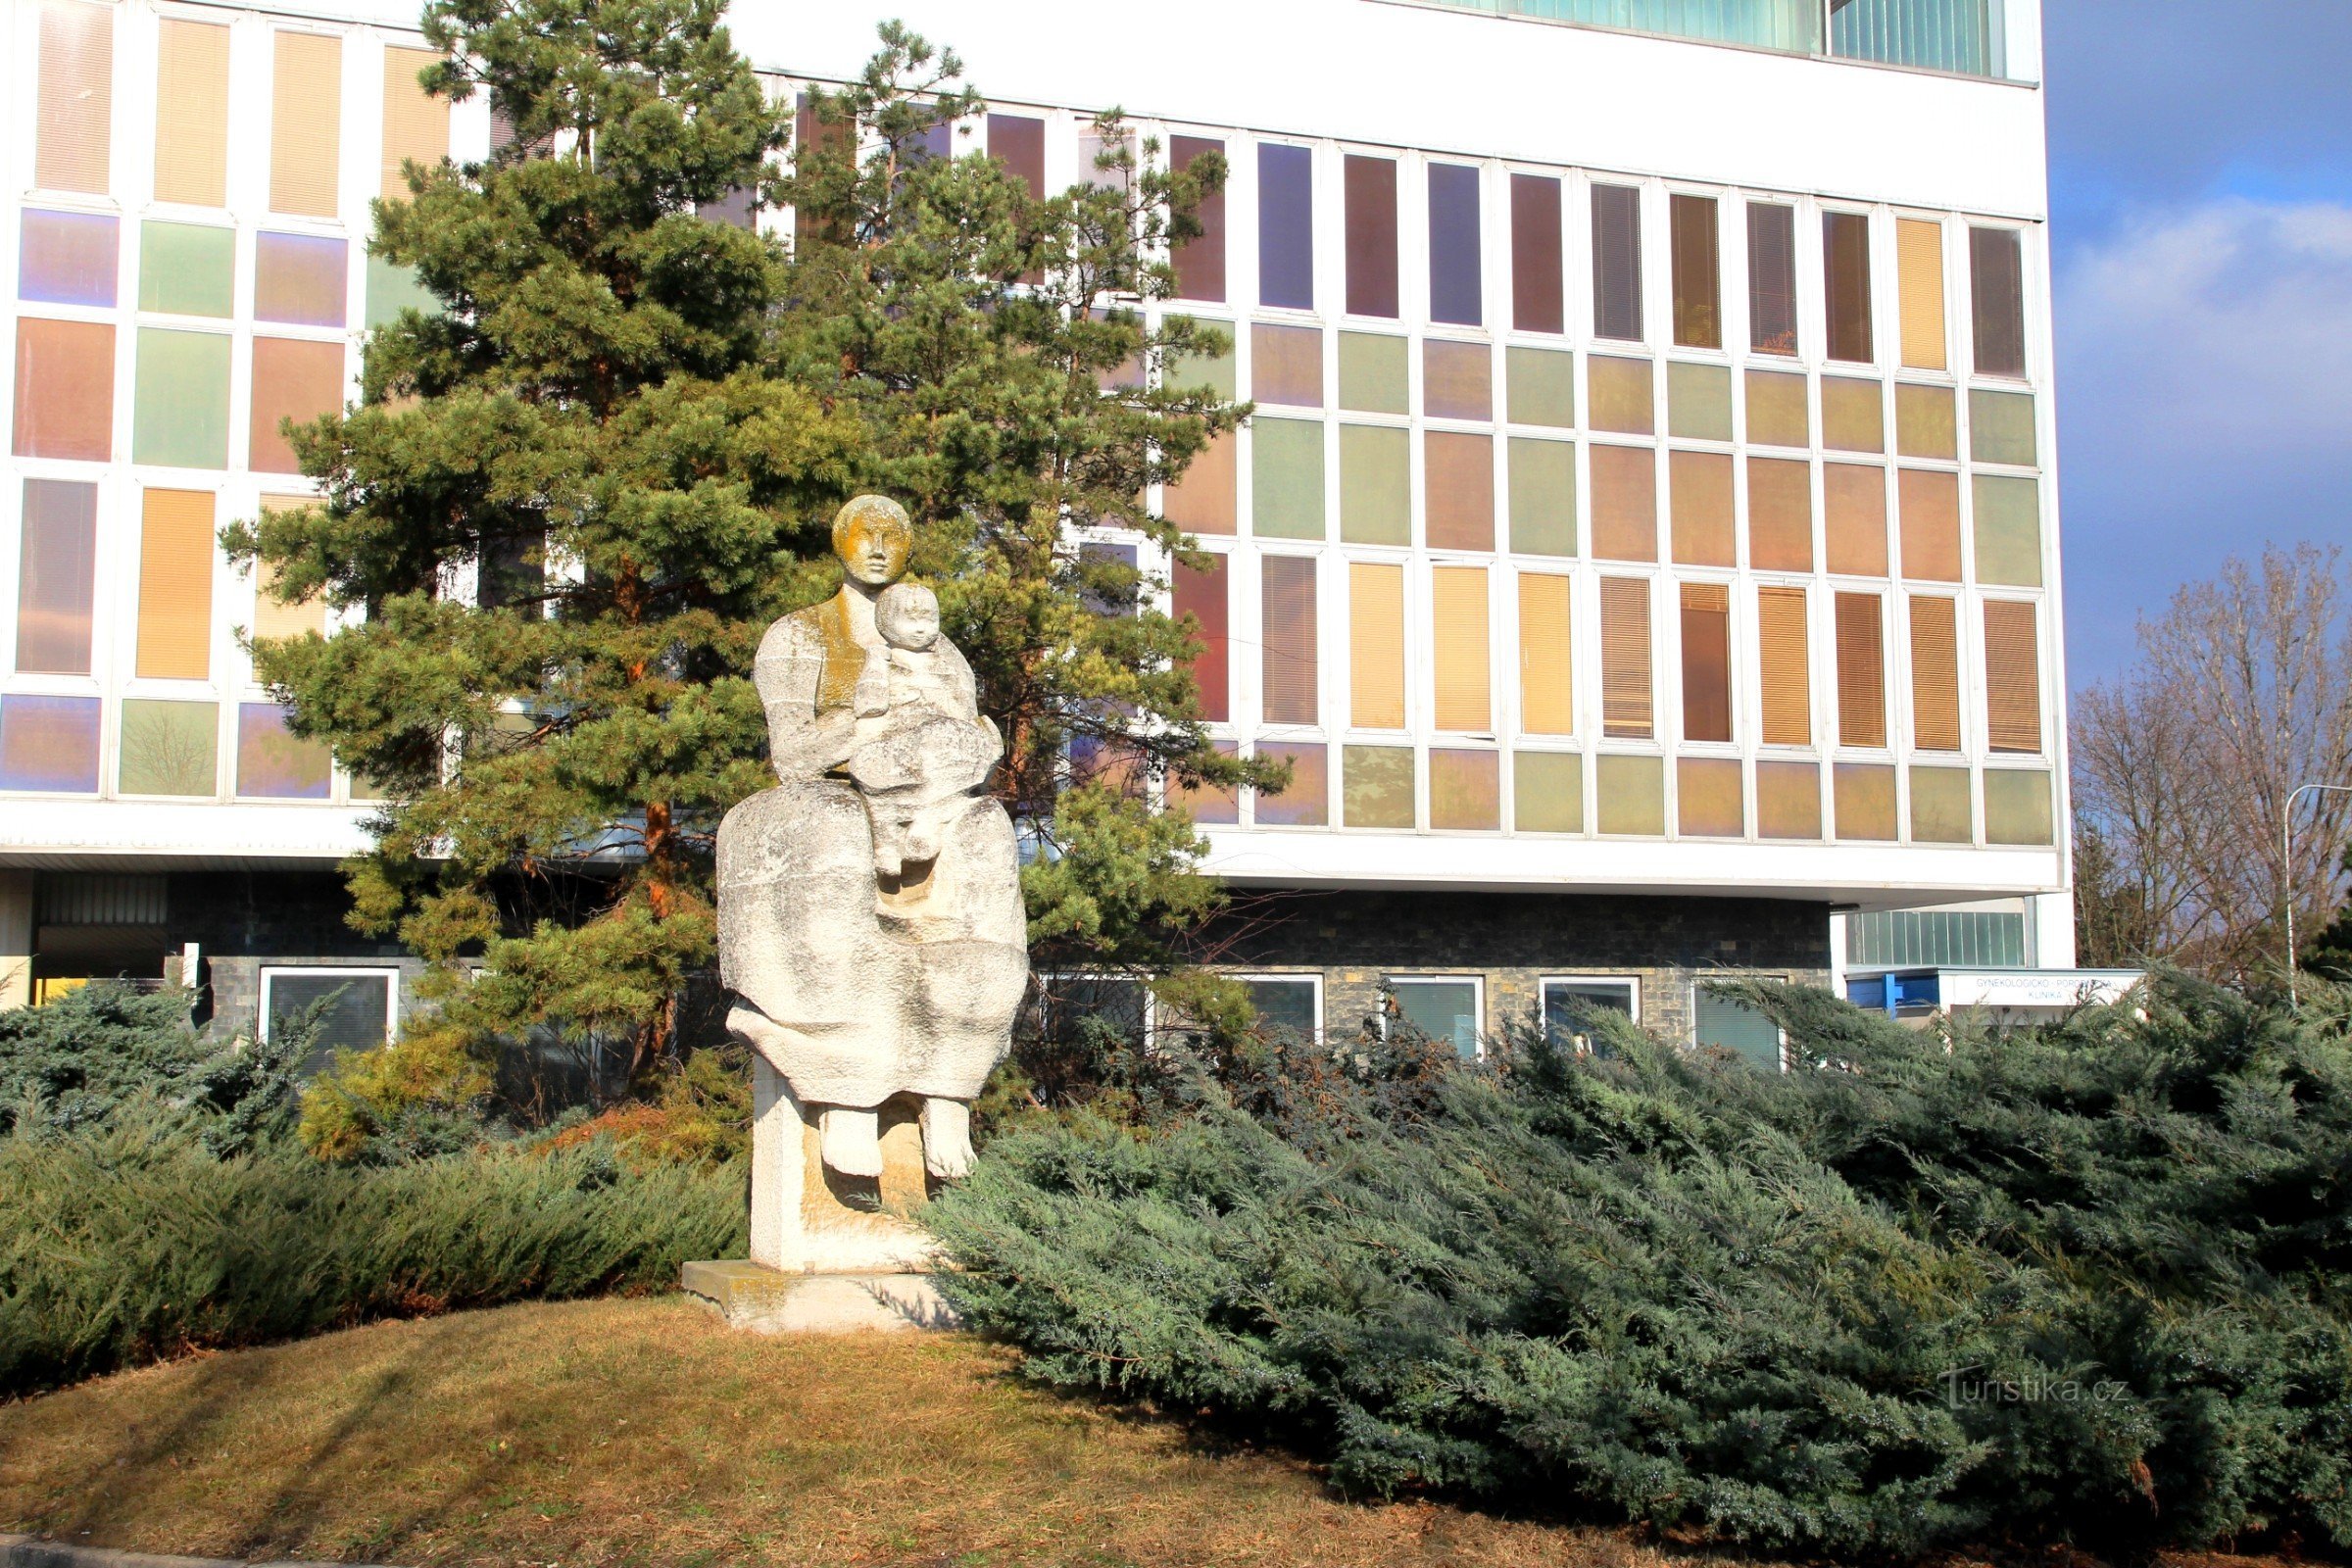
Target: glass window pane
<point>191,113</point>
<point>66,257</point>
<point>1783,665</point>
<point>1459,500</point>
<point>1698,402</point>
<point>1458,380</point>
<point>1543,500</point>
<point>1697,272</point>
<point>299,278</point>
<point>1540,385</point>
<point>2000,427</point>
<point>1777,416</point>
<point>1287,1007</point>
<point>1632,792</point>
<point>1787,800</point>
<point>1454,262</point>
<point>1780,514</point>
<point>1375,786</point>
<point>1287,636</point>
<point>188,268</point>
<point>65,391</point>
<point>1918,269</point>
<point>179,409</point>
<point>57,569</point>
<point>1206,499</point>
<point>1547,792</point>
<point>1546,684</point>
<point>1707,645</point>
<point>306,123</point>
<point>291,380</point>
<point>1864,794</point>
<point>1625,502</point>
<point>1210,805</point>
<point>175,585</point>
<point>2017,807</point>
<point>49,743</point>
<point>1996,271</point>
<point>415,124</point>
<point>1625,686</point>
<point>1459,649</point>
<point>1376,497</point>
<point>71,136</point>
<point>2008,530</point>
<point>1845,263</point>
<point>1371,198</point>
<point>1940,806</point>
<point>1306,802</point>
<point>1375,644</point>
<point>1935,674</point>
<point>2012,676</point>
<point>1201,261</point>
<point>1535,292</point>
<point>1204,593</point>
<point>1854,519</point>
<point>1018,142</point>
<point>1861,672</point>
<point>1623,395</point>
<point>1699,503</point>
<point>170,748</point>
<point>1707,795</point>
<point>1925,423</point>
<point>1218,371</point>
<point>1373,373</point>
<point>1465,790</point>
<point>1617,261</point>
<point>1722,1025</point>
<point>1285,365</point>
<point>1287,479</point>
<point>1929,506</point>
<point>1853,414</point>
<point>1770,278</point>
<point>272,762</point>
<point>393,288</point>
<point>357,1008</point>
<point>1285,227</point>
<point>1442,1011</point>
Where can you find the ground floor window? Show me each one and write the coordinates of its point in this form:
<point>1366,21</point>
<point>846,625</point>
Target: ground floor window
<point>1290,1004</point>
<point>362,1005</point>
<point>1060,1003</point>
<point>1570,1001</point>
<point>1445,1008</point>
<point>1733,1026</point>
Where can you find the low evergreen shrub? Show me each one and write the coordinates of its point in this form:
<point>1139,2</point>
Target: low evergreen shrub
<point>2089,1282</point>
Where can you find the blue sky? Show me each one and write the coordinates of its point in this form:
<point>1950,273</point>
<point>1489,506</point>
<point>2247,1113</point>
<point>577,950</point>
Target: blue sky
<point>2201,230</point>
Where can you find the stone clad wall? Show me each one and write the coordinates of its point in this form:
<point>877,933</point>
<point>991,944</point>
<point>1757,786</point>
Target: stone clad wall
<point>1517,939</point>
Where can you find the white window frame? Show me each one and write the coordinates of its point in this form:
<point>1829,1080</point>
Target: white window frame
<point>387,973</point>
<point>1312,977</point>
<point>1478,991</point>
<point>1543,988</point>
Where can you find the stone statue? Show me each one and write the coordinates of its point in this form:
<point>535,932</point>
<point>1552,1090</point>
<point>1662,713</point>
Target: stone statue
<point>871,926</point>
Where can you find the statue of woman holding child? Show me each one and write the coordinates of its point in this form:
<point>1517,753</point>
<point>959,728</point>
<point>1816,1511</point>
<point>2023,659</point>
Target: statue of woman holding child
<point>871,926</point>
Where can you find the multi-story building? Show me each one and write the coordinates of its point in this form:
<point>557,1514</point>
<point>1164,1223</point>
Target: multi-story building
<point>1645,549</point>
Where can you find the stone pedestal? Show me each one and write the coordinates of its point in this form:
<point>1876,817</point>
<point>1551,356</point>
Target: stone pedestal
<point>807,1218</point>
<point>763,1300</point>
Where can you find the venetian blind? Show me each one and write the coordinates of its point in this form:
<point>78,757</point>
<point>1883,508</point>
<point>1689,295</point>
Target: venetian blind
<point>1458,640</point>
<point>1625,705</point>
<point>1697,272</point>
<point>1706,661</point>
<point>175,585</point>
<point>1935,674</point>
<point>1375,644</point>
<point>1919,273</point>
<point>305,122</point>
<point>1845,263</point>
<point>415,124</point>
<point>76,98</point>
<point>1547,687</point>
<point>1861,672</point>
<point>191,113</point>
<point>1201,592</point>
<point>1617,261</point>
<point>1287,638</point>
<point>1783,665</point>
<point>272,616</point>
<point>2012,677</point>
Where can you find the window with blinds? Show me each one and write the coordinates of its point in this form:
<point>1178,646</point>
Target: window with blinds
<point>1997,295</point>
<point>75,100</point>
<point>1928,504</point>
<point>1458,380</point>
<point>1935,674</point>
<point>1706,661</point>
<point>1919,276</point>
<point>1205,498</point>
<point>2012,676</point>
<point>1285,227</point>
<point>1625,502</point>
<point>1375,644</point>
<point>1625,685</point>
<point>191,113</point>
<point>1458,608</point>
<point>1783,665</point>
<point>1700,501</point>
<point>306,123</point>
<point>175,585</point>
<point>1780,514</point>
<point>1537,304</point>
<point>1200,259</point>
<point>1853,506</point>
<point>57,573</point>
<point>1287,639</point>
<point>65,390</point>
<point>273,615</point>
<point>1846,277</point>
<point>1547,673</point>
<point>292,379</point>
<point>1204,593</point>
<point>1772,279</point>
<point>1698,272</point>
<point>1458,504</point>
<point>415,122</point>
<point>1369,189</point>
<point>1861,672</point>
<point>1617,261</point>
<point>1455,292</point>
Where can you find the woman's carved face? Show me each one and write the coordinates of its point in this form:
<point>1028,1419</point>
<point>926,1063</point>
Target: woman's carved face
<point>874,553</point>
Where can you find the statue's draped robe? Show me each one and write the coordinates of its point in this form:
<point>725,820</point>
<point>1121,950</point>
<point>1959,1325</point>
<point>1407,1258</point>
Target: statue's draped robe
<point>856,989</point>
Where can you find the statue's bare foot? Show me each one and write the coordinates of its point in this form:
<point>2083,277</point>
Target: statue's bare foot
<point>851,1141</point>
<point>947,1139</point>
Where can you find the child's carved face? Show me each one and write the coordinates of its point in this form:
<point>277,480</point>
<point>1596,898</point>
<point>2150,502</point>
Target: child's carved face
<point>906,614</point>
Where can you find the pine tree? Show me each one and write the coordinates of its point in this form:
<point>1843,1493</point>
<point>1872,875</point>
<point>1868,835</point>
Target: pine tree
<point>569,500</point>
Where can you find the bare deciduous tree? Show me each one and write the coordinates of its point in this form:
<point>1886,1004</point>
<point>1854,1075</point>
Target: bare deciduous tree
<point>2183,767</point>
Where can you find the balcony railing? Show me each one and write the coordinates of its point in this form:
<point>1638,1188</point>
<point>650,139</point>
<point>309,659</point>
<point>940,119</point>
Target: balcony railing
<point>1961,36</point>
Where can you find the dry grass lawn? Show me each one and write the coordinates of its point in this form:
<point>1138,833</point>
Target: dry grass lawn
<point>644,1432</point>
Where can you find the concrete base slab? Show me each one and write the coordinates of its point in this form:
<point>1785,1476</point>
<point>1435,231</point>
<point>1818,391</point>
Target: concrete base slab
<point>765,1300</point>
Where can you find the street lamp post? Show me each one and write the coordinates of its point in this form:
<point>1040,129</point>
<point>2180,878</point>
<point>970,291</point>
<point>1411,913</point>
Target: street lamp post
<point>2286,872</point>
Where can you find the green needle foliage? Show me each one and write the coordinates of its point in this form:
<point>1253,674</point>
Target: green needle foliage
<point>630,427</point>
<point>2084,1282</point>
